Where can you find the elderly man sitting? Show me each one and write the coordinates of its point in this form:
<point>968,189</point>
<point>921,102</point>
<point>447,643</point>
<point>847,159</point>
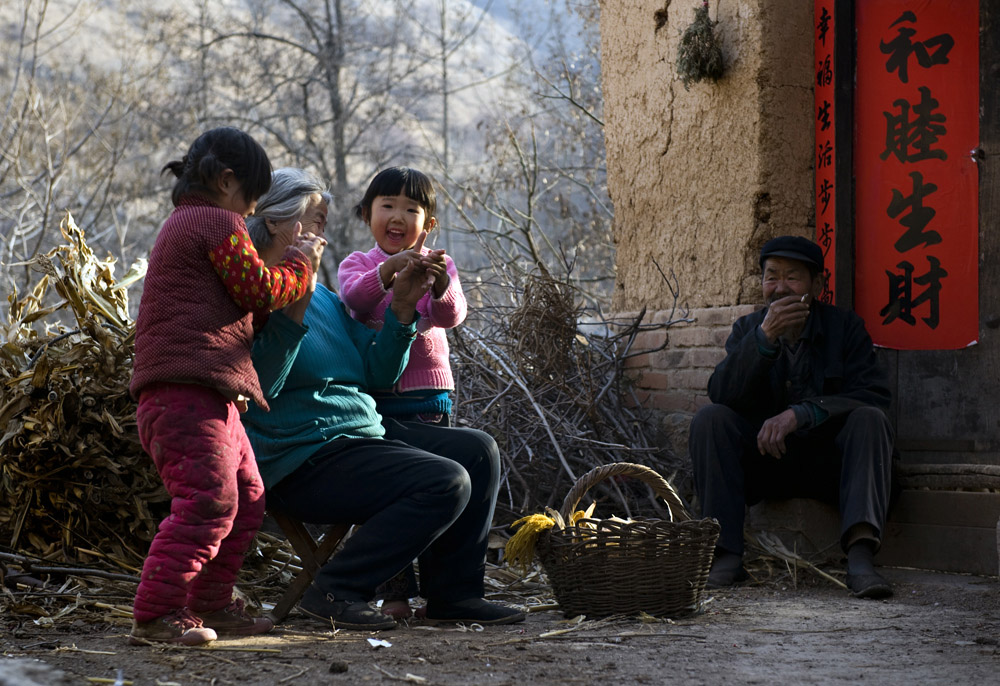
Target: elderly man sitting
<point>799,410</point>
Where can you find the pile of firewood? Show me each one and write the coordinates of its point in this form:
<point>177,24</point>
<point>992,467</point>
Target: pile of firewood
<point>548,380</point>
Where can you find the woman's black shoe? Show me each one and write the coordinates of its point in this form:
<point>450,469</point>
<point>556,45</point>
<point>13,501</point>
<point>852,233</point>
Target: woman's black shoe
<point>345,614</point>
<point>473,611</point>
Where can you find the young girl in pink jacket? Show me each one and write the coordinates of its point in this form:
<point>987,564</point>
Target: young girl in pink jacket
<point>399,208</point>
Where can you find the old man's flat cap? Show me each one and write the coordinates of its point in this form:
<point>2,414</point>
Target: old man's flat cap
<point>794,248</point>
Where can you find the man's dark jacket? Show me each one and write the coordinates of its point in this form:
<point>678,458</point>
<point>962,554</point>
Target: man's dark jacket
<point>840,370</point>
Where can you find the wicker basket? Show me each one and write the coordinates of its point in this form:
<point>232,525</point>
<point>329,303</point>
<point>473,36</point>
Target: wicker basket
<point>644,565</point>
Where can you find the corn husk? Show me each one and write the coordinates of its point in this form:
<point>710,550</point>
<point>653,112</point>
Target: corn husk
<point>520,549</point>
<point>75,485</point>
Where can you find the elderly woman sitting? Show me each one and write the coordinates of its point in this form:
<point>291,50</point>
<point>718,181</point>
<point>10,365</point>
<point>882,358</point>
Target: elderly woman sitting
<point>325,456</point>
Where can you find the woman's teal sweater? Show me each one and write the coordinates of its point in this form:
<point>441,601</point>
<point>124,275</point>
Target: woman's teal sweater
<point>316,376</point>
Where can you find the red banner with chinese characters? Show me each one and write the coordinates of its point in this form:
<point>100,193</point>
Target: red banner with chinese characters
<point>916,182</point>
<point>826,143</point>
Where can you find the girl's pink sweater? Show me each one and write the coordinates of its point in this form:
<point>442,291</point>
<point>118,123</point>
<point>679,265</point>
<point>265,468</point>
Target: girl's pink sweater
<point>361,290</point>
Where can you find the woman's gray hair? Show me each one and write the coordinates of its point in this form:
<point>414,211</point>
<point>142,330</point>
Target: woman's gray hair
<point>287,199</point>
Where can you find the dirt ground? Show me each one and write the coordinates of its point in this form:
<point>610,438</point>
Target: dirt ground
<point>938,629</point>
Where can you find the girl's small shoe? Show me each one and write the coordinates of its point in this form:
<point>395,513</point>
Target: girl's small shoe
<point>397,609</point>
<point>234,620</point>
<point>180,626</point>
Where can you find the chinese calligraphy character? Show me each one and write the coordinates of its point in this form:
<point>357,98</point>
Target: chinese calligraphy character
<point>823,26</point>
<point>823,116</point>
<point>903,134</point>
<point>826,242</point>
<point>824,75</point>
<point>918,217</point>
<point>824,156</point>
<point>826,295</point>
<point>901,301</point>
<point>825,193</point>
<point>901,47</point>
<point>826,238</point>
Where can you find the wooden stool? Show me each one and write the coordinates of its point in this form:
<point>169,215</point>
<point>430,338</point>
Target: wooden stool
<point>313,557</point>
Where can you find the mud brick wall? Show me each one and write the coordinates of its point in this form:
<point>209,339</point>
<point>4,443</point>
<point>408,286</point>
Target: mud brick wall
<point>702,178</point>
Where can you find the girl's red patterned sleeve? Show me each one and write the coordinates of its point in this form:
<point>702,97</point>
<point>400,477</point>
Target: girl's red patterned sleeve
<point>255,287</point>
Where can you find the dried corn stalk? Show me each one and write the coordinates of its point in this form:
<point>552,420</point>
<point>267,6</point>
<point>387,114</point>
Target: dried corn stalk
<point>75,484</point>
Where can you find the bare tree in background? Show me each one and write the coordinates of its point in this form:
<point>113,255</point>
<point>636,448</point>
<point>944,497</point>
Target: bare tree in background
<point>457,26</point>
<point>98,95</point>
<point>329,84</point>
<point>539,364</point>
<point>73,135</point>
<point>345,87</point>
<point>541,203</point>
<point>342,87</point>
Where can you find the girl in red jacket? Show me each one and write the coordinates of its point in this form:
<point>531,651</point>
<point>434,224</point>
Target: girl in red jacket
<point>192,377</point>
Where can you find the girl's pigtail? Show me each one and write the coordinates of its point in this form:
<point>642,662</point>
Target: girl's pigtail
<point>176,167</point>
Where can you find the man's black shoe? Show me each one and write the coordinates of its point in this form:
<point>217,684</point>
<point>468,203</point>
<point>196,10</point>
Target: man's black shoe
<point>869,586</point>
<point>473,611</point>
<point>720,578</point>
<point>727,569</point>
<point>345,614</point>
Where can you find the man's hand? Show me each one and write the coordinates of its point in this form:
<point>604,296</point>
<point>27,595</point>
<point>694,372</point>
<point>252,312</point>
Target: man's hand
<point>786,315</point>
<point>771,438</point>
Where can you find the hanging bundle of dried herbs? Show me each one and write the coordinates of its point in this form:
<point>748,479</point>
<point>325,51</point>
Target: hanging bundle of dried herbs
<point>699,56</point>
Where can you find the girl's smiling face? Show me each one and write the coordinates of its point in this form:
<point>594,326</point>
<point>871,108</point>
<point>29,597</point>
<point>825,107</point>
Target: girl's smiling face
<point>397,221</point>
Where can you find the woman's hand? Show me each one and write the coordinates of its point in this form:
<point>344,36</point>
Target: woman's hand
<point>388,269</point>
<point>312,245</point>
<point>437,269</point>
<point>397,263</point>
<point>393,265</point>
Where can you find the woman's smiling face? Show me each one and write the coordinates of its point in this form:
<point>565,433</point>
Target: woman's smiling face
<point>314,218</point>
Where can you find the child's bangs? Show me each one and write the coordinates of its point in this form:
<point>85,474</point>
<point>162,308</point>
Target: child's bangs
<point>418,187</point>
<point>413,184</point>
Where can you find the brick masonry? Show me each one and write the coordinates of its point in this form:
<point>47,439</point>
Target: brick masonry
<point>675,379</point>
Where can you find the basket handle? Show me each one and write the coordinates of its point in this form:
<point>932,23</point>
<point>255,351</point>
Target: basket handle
<point>648,476</point>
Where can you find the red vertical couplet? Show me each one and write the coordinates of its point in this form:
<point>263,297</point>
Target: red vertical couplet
<point>916,182</point>
<point>826,142</point>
